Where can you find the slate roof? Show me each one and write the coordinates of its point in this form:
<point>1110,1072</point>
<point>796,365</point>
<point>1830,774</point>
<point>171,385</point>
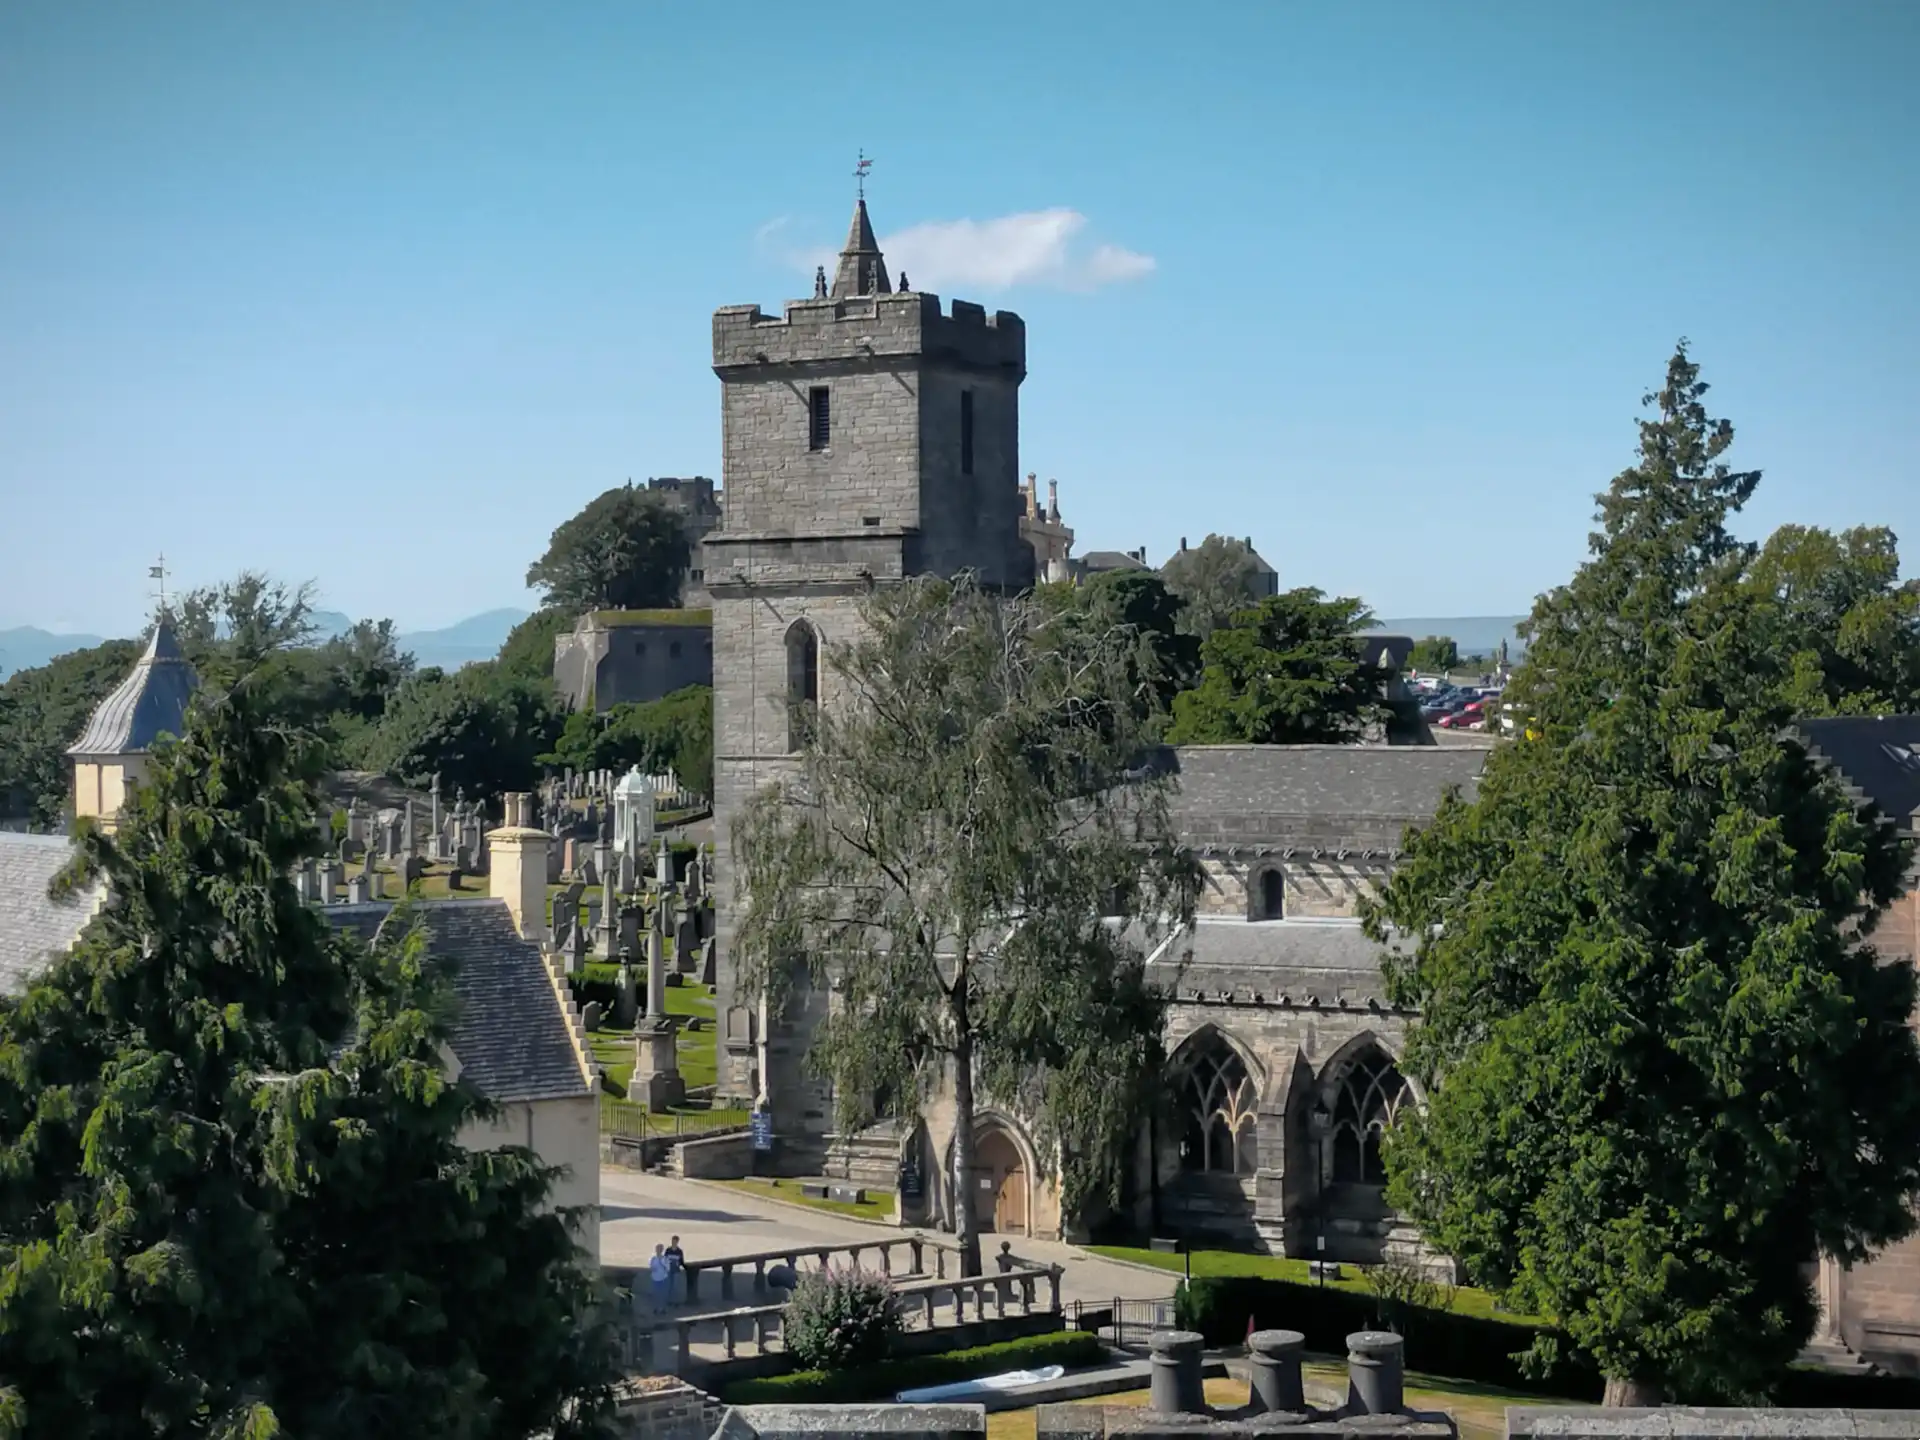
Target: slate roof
<point>1878,755</point>
<point>34,928</point>
<point>1333,797</point>
<point>1095,561</point>
<point>511,1039</point>
<point>1300,961</point>
<point>151,702</point>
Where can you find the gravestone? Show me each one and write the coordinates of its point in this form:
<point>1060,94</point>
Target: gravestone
<point>686,945</point>
<point>663,865</point>
<point>577,950</point>
<point>696,882</point>
<point>629,880</point>
<point>412,870</point>
<point>709,958</point>
<point>628,940</point>
<point>408,844</point>
<point>433,826</point>
<point>656,1060</point>
<point>456,878</point>
<point>590,1016</point>
<point>357,889</point>
<point>626,1007</point>
<point>560,930</point>
<point>656,978</point>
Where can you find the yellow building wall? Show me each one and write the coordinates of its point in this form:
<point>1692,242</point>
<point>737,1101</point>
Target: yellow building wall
<point>564,1133</point>
<point>100,787</point>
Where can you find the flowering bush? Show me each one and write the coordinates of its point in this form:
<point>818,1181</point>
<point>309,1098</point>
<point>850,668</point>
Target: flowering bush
<point>840,1318</point>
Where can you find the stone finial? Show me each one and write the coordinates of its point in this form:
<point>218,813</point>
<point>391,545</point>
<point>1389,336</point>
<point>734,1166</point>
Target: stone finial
<point>903,286</point>
<point>819,282</point>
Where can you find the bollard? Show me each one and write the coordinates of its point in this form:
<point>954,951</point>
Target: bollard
<point>1373,1372</point>
<point>1175,1386</point>
<point>1276,1371</point>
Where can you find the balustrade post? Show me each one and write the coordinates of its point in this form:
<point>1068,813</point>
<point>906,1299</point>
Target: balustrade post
<point>886,1260</point>
<point>692,1273</point>
<point>683,1346</point>
<point>1053,1279</point>
<point>915,1249</point>
<point>959,1303</point>
<point>939,1262</point>
<point>760,1333</point>
<point>759,1280</point>
<point>726,1330</point>
<point>927,1297</point>
<point>1000,1300</point>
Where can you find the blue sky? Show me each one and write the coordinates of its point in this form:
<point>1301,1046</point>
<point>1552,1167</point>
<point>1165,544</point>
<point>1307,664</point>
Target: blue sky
<point>378,295</point>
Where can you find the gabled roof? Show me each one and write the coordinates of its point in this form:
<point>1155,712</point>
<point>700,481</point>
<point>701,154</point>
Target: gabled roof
<point>1879,756</point>
<point>151,702</point>
<point>1333,796</point>
<point>1098,560</point>
<point>35,928</point>
<point>511,1038</point>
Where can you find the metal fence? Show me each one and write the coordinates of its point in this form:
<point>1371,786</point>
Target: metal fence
<point>636,1122</point>
<point>1121,1322</point>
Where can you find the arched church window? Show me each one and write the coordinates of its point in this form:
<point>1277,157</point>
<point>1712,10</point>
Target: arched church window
<point>1218,1107</point>
<point>1270,895</point>
<point>1370,1097</point>
<point>803,681</point>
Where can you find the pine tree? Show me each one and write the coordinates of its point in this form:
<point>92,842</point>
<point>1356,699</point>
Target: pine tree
<point>1664,1071</point>
<point>231,1198</point>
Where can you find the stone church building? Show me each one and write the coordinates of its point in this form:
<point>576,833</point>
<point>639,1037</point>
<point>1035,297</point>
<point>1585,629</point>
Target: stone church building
<point>869,434</point>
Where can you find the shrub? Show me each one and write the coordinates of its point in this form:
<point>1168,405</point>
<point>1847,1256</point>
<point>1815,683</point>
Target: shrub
<point>890,1377</point>
<point>1464,1347</point>
<point>839,1318</point>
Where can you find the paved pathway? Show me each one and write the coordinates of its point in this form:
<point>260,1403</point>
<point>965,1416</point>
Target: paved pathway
<point>639,1211</point>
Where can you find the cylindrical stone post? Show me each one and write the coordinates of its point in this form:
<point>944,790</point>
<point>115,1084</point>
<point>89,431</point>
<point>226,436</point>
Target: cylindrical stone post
<point>1374,1368</point>
<point>1276,1371</point>
<point>656,978</point>
<point>1175,1385</point>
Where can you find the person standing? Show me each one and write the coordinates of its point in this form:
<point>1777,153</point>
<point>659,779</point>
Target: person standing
<point>676,1271</point>
<point>660,1272</point>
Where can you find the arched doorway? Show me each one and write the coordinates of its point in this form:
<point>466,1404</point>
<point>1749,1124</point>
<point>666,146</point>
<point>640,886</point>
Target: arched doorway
<point>1000,1182</point>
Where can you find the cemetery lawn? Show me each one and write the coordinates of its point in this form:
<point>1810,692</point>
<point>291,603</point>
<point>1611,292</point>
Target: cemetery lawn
<point>789,1191</point>
<point>613,1049</point>
<point>1466,1299</point>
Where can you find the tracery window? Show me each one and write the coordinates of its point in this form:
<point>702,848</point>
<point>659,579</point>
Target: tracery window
<point>1370,1097</point>
<point>1218,1110</point>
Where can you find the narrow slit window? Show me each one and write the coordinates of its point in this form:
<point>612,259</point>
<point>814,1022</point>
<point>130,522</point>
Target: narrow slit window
<point>819,419</point>
<point>966,432</point>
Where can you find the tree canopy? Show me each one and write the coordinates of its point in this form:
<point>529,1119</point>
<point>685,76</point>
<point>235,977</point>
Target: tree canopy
<point>1663,1071</point>
<point>1214,581</point>
<point>232,1200</point>
<point>1137,605</point>
<point>674,732</point>
<point>1435,652</point>
<point>956,831</point>
<point>1288,671</point>
<point>627,550</point>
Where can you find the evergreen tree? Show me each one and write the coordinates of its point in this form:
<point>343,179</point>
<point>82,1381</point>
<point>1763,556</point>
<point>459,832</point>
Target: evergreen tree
<point>627,550</point>
<point>1663,1069</point>
<point>232,1202</point>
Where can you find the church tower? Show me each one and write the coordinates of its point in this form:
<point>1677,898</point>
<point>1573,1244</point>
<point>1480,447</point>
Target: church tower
<point>867,436</point>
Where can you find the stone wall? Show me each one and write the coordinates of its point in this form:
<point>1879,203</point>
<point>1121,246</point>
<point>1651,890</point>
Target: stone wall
<point>1686,1422</point>
<point>564,1132</point>
<point>1310,886</point>
<point>609,664</point>
<point>664,1408</point>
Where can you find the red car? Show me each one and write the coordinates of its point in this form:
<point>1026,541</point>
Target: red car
<point>1465,718</point>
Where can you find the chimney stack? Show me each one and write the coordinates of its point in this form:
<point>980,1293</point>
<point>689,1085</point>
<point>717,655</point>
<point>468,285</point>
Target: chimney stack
<point>517,871</point>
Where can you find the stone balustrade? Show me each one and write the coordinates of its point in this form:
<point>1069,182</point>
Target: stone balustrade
<point>725,1271</point>
<point>666,1346</point>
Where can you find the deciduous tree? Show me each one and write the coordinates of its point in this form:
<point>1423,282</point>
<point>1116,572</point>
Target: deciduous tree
<point>966,812</point>
<point>627,550</point>
<point>1288,671</point>
<point>1214,581</point>
<point>1665,1069</point>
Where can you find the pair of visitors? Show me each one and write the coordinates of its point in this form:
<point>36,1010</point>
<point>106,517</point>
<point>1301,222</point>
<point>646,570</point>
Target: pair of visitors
<point>666,1274</point>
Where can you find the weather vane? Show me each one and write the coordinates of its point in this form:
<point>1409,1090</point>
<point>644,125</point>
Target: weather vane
<point>860,173</point>
<point>159,573</point>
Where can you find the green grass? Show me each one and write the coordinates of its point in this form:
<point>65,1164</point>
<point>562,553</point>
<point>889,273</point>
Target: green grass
<point>1228,1263</point>
<point>789,1190</point>
<point>696,1050</point>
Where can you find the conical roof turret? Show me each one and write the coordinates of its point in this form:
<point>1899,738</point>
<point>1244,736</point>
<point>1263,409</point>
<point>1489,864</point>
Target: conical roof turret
<point>862,269</point>
<point>149,703</point>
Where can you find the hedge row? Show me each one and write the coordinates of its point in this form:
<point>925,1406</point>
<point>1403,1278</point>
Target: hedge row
<point>1463,1347</point>
<point>886,1379</point>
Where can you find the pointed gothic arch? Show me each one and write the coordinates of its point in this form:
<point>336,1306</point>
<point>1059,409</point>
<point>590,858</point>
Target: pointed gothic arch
<point>803,681</point>
<point>1363,1093</point>
<point>1217,1099</point>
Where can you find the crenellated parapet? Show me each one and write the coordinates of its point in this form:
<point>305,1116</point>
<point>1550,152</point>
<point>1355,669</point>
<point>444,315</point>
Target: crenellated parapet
<point>821,336</point>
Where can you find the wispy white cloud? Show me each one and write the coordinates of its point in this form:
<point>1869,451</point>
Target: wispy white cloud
<point>1038,248</point>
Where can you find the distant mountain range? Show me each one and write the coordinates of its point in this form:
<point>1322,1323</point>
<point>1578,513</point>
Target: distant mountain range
<point>478,637</point>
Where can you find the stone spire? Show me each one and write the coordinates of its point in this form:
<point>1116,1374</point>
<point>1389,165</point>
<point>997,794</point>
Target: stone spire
<point>862,270</point>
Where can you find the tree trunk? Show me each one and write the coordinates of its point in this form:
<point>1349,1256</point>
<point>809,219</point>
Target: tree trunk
<point>966,1203</point>
<point>1623,1390</point>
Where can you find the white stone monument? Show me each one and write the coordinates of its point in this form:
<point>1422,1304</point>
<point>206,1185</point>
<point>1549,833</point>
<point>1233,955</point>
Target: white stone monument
<point>633,814</point>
